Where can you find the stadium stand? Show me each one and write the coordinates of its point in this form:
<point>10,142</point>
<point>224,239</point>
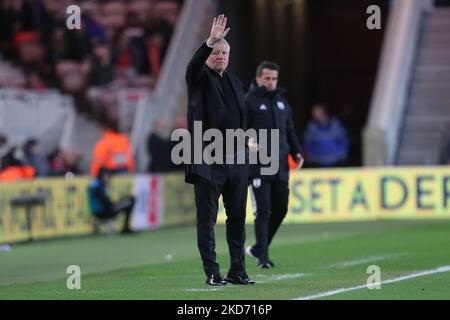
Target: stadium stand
<point>116,56</point>
<point>410,102</point>
<point>427,110</point>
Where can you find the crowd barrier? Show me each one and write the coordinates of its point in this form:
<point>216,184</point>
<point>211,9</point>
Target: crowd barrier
<point>59,207</point>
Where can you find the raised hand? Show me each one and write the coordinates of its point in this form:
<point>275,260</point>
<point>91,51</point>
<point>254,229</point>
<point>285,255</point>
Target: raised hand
<point>219,29</point>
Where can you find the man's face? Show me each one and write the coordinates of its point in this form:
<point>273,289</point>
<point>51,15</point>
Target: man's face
<point>219,57</point>
<point>268,79</point>
<point>319,113</point>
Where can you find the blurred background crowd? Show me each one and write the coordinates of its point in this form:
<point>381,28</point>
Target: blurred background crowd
<point>329,71</point>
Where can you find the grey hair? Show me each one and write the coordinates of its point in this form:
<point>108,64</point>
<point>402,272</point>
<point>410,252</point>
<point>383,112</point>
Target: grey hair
<point>224,42</point>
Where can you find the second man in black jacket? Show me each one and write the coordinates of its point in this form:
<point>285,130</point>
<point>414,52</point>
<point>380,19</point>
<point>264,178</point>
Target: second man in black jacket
<point>268,109</point>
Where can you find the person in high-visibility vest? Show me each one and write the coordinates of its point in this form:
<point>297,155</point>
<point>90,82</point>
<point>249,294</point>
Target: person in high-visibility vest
<point>113,151</point>
<point>17,173</point>
<point>13,169</point>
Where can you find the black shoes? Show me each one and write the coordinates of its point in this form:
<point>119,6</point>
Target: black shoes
<point>215,280</point>
<point>261,264</point>
<point>242,279</point>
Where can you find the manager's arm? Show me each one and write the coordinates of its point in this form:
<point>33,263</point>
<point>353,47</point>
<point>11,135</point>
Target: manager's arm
<point>197,63</point>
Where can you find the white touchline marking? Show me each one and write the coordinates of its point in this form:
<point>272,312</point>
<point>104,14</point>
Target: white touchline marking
<point>262,278</point>
<point>351,263</point>
<point>405,277</point>
<point>201,290</point>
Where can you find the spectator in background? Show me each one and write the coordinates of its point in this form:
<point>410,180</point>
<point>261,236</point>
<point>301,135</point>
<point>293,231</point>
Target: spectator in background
<point>30,52</point>
<point>58,45</point>
<point>326,142</point>
<point>159,147</point>
<point>33,34</point>
<point>63,162</point>
<point>91,20</point>
<point>34,158</point>
<point>78,44</point>
<point>130,52</point>
<point>101,205</point>
<point>9,24</point>
<point>161,22</point>
<point>34,81</point>
<point>101,67</point>
<point>13,168</point>
<point>113,151</point>
<point>155,51</point>
<point>72,76</point>
<point>3,147</point>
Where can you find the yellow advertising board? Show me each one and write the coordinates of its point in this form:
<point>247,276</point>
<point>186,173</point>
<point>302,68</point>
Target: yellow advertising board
<point>64,211</point>
<point>356,194</point>
<point>315,196</point>
<point>179,201</point>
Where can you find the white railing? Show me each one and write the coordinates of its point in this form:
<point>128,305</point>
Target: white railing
<point>381,134</point>
<point>47,116</point>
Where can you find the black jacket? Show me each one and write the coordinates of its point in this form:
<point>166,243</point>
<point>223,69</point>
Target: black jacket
<point>205,104</point>
<point>270,110</point>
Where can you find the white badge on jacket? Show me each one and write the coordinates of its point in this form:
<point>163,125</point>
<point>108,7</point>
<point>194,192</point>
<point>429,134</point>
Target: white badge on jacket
<point>256,183</point>
<point>281,105</point>
<point>263,107</point>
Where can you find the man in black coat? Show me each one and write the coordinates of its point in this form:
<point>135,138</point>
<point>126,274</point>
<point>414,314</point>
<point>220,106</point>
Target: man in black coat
<point>216,100</point>
<point>268,109</point>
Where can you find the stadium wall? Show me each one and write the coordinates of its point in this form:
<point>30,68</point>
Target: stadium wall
<point>166,201</point>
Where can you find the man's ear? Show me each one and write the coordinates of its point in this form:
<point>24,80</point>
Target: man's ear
<point>257,81</point>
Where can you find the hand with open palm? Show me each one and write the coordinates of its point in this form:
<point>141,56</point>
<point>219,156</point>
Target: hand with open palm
<point>219,29</point>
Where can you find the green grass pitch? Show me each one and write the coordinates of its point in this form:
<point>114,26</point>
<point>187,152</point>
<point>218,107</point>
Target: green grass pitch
<point>310,259</point>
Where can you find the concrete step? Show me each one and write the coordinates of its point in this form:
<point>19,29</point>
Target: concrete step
<point>420,145</point>
<point>419,153</point>
<point>428,112</point>
<point>430,91</point>
<point>430,118</point>
<point>440,12</point>
<point>441,56</point>
<point>422,126</point>
<point>430,135</point>
<point>438,39</point>
<point>418,162</point>
<point>437,24</point>
<point>430,104</point>
<point>425,112</point>
<point>432,74</point>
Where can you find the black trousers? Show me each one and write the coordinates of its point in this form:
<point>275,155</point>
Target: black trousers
<point>124,205</point>
<point>270,204</point>
<point>230,181</point>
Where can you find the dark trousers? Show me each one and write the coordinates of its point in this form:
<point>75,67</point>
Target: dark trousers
<point>125,205</point>
<point>230,181</point>
<point>270,204</point>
